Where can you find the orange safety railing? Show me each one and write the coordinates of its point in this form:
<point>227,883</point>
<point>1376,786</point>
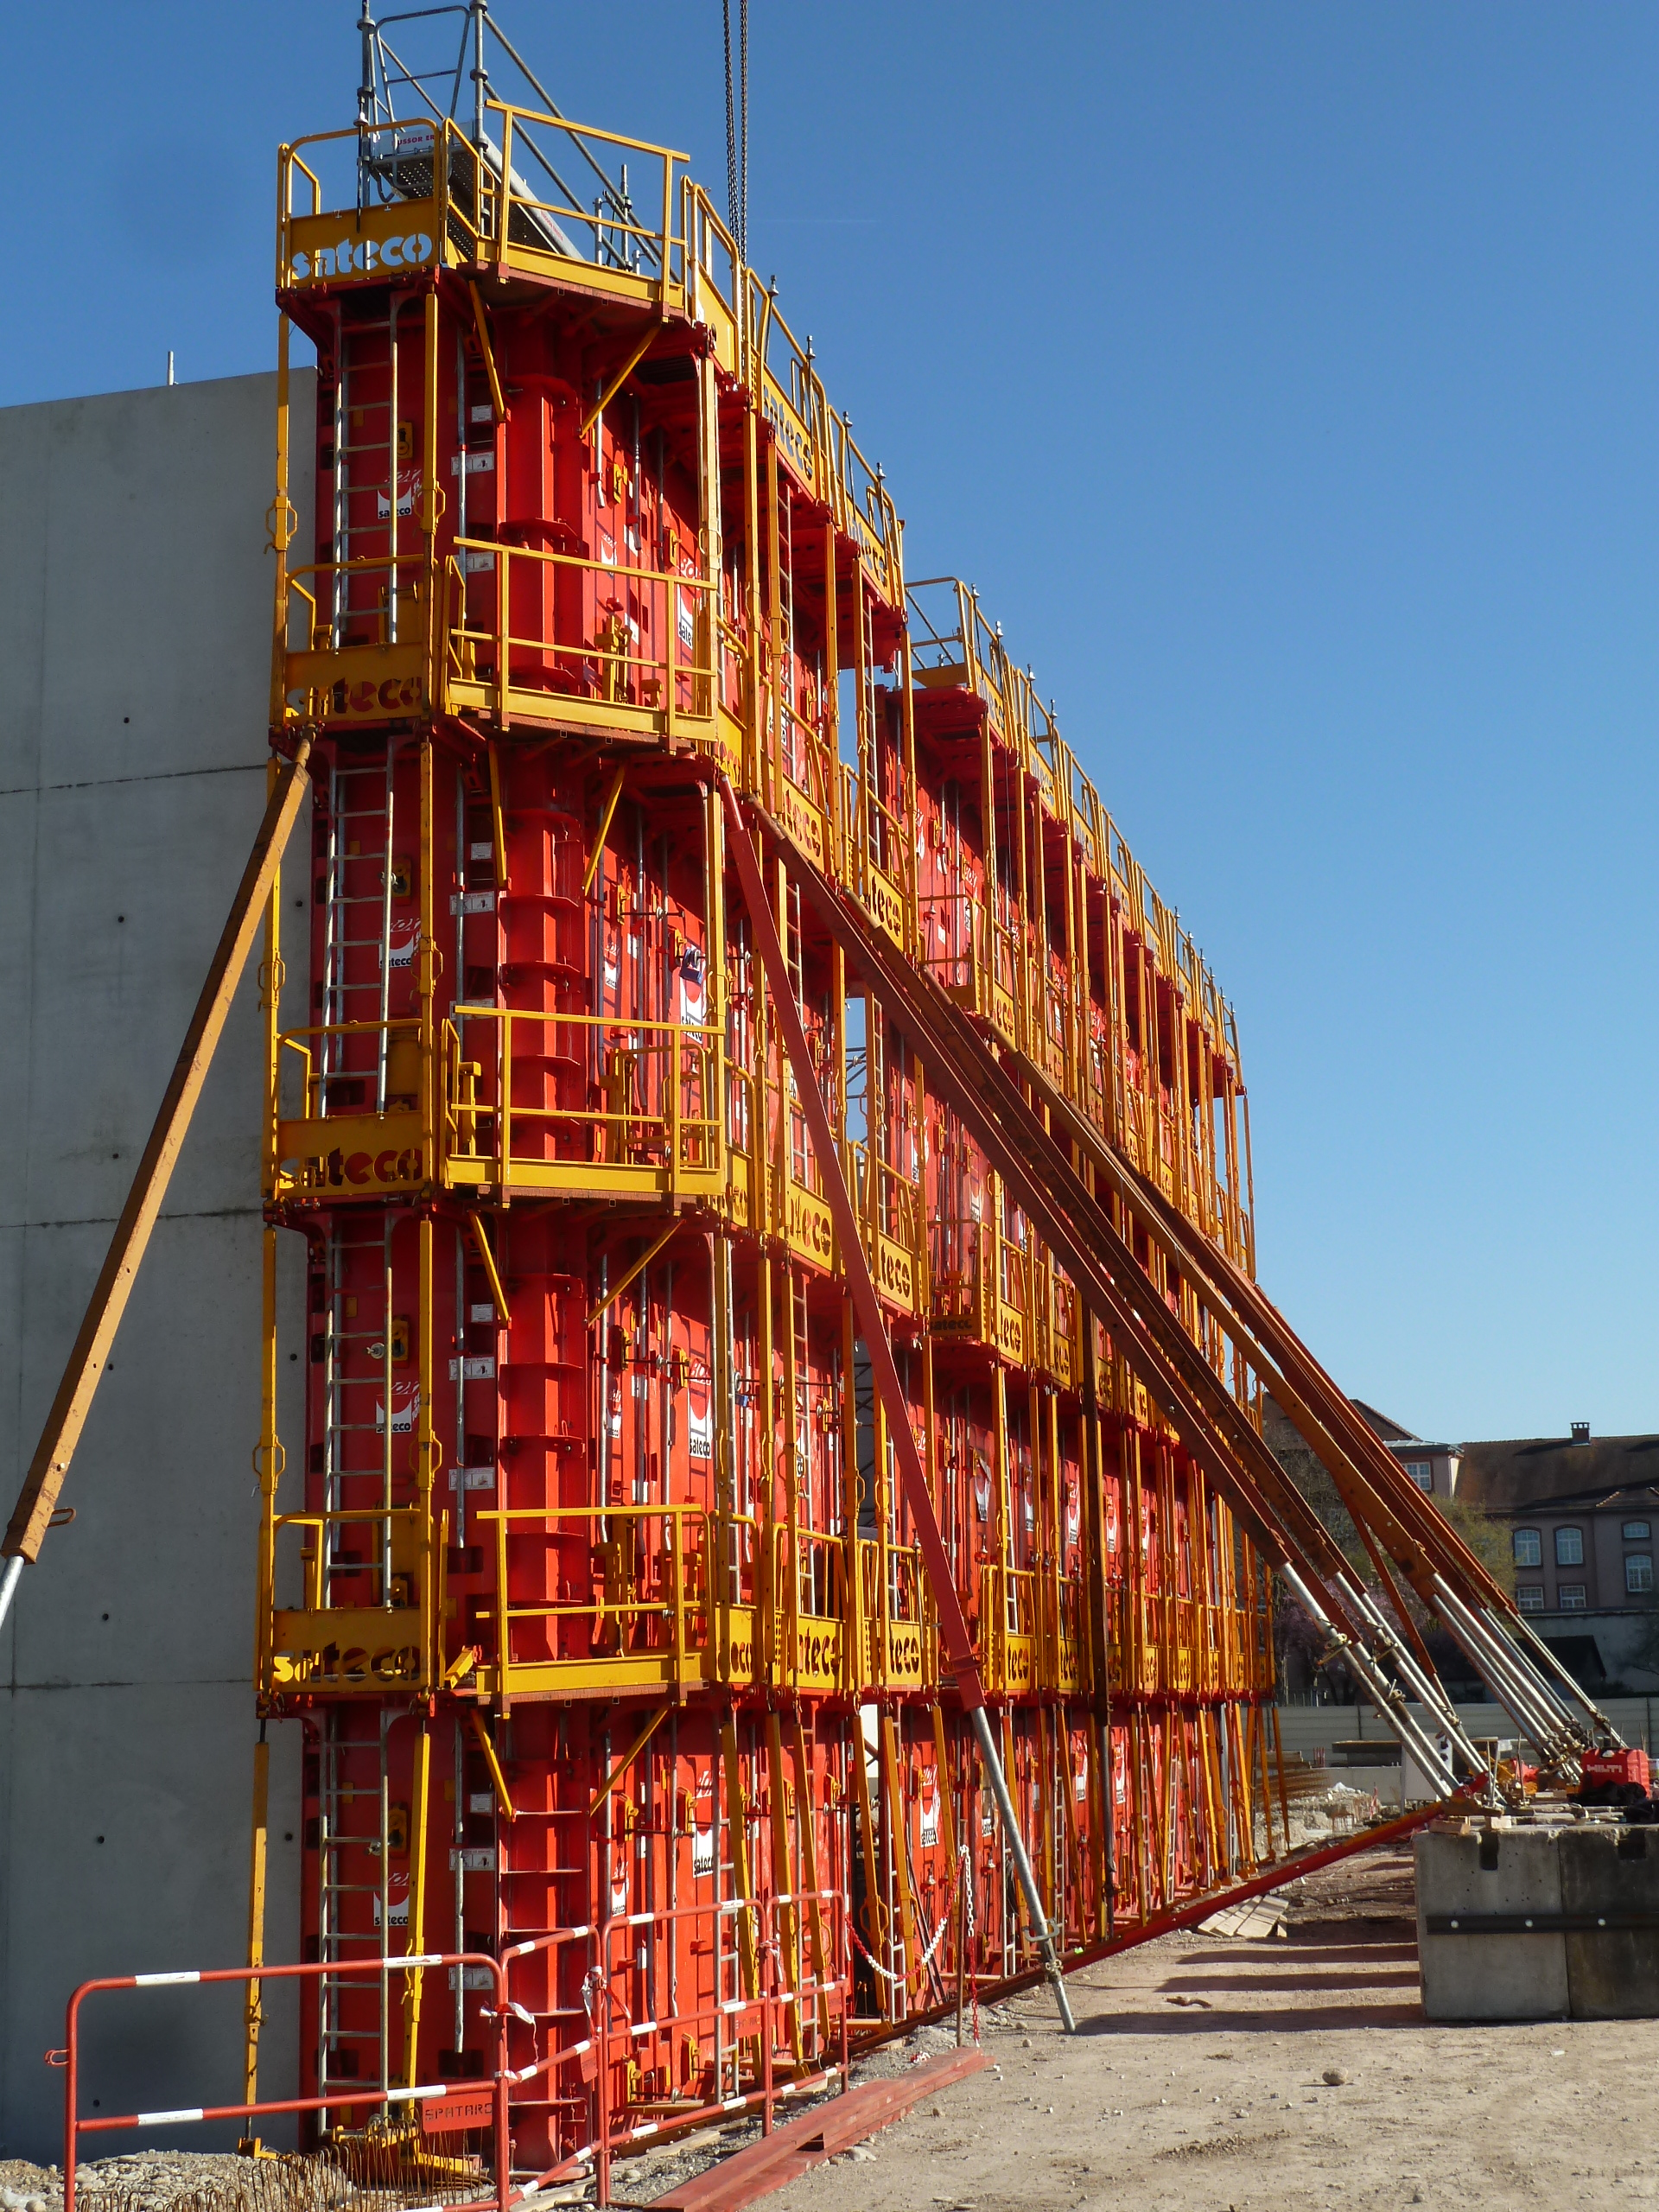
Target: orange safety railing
<point>486,2099</point>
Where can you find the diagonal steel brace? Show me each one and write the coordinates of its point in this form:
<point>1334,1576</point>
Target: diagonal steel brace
<point>953,1626</point>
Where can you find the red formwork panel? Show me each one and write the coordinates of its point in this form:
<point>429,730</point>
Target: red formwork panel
<point>710,1866</point>
<point>716,1869</point>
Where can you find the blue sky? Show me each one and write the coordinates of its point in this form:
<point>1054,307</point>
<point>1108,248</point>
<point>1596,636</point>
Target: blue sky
<point>1283,377</point>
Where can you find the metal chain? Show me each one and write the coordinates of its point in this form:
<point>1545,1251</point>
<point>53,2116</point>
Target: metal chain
<point>925,1960</point>
<point>970,1931</point>
<point>743,139</point>
<point>731,129</point>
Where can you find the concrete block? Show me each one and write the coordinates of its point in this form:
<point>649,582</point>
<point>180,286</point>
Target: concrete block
<point>135,585</point>
<point>127,1849</point>
<point>132,885</point>
<point>1612,1973</point>
<point>135,633</point>
<point>1491,1977</point>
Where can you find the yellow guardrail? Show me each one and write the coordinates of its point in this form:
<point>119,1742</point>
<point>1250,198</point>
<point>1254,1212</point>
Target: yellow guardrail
<point>648,1104</point>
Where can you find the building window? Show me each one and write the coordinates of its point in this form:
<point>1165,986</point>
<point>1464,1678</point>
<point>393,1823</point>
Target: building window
<point>1527,1547</point>
<point>1422,1472</point>
<point>1635,1532</point>
<point>1569,1597</point>
<point>1638,1573</point>
<point>1569,1547</point>
<point>1529,1597</point>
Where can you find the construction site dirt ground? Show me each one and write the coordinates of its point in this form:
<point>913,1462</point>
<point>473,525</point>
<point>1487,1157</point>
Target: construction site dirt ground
<point>1201,2078</point>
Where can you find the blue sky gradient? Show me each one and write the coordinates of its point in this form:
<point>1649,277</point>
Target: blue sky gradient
<point>1283,377</point>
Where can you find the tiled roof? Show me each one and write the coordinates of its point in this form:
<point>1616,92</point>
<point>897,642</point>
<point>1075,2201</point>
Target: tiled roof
<point>1532,1470</point>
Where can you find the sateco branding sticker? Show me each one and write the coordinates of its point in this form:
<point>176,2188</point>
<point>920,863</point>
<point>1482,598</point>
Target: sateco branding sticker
<point>361,256</point>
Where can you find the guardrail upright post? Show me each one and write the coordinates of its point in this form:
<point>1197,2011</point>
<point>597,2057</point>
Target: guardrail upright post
<point>602,2080</point>
<point>504,1106</point>
<point>71,2072</point>
<point>845,1964</point>
<point>503,2137</point>
<point>768,1979</point>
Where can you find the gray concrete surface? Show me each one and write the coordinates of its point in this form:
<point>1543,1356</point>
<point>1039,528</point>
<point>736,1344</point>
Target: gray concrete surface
<point>135,628</point>
<point>1485,1976</point>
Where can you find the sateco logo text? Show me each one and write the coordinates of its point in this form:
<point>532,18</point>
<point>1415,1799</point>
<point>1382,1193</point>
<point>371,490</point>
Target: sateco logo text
<point>357,257</point>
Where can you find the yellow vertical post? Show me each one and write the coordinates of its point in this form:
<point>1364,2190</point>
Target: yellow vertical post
<point>1141,1808</point>
<point>754,717</point>
<point>984,941</point>
<point>431,963</point>
<point>498,829</point>
<point>909,888</point>
<point>253,2007</point>
<point>929,1461</point>
<point>282,528</point>
<point>1000,1547</point>
<point>783,1879</point>
<point>786,1644</point>
<point>867,791</point>
<point>427,1453</point>
<point>1054,1536</point>
<point>832,703</point>
<point>771,708</point>
<point>896,1823</point>
<point>807,1828</point>
<point>1076,1007</point>
<point>1213,1853</point>
<point>710,650</point>
<point>419,1794</point>
<point>737,1825</point>
<point>765,1519</point>
<point>874,1903</point>
<point>855,1668</point>
<point>268,1460</point>
<point>433,641</point>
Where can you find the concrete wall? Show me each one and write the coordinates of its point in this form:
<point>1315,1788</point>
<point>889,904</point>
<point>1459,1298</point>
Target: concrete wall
<point>135,628</point>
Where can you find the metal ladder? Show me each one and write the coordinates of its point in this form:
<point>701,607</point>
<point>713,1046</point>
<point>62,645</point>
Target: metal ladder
<point>364,796</point>
<point>345,1381</point>
<point>368,358</point>
<point>353,1851</point>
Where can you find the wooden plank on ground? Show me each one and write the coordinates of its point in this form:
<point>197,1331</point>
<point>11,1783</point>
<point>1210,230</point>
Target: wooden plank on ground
<point>807,2140</point>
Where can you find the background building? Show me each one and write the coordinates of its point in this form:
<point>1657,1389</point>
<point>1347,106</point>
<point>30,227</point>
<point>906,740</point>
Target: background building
<point>1581,1517</point>
<point>1432,1467</point>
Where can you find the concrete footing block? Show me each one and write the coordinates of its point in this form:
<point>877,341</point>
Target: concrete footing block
<point>1545,1922</point>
